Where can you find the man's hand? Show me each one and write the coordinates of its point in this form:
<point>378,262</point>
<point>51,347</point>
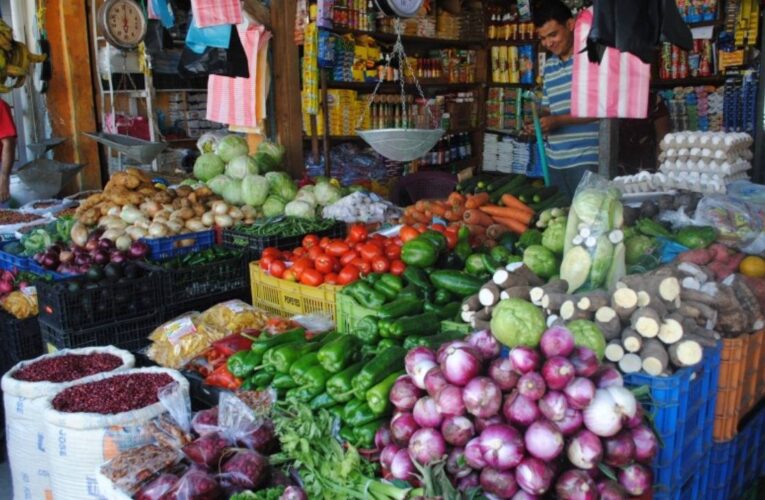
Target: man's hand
<point>5,188</point>
<point>549,124</point>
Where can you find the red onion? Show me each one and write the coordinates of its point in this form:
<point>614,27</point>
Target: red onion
<point>585,450</point>
<point>427,446</point>
<point>138,250</point>
<point>65,257</point>
<point>575,485</point>
<point>525,359</point>
<point>483,423</point>
<point>449,401</point>
<point>468,482</point>
<point>460,365</point>
<point>553,405</point>
<point>557,372</point>
<point>543,440</point>
<point>636,479</point>
<point>485,343</point>
<point>417,363</point>
<point>636,419</point>
<point>520,410</point>
<point>534,476</point>
<point>619,450</point>
<point>585,362</point>
<point>444,349</point>
<point>293,493</point>
<point>646,444</point>
<point>602,416</point>
<point>457,431</point>
<point>402,427</point>
<point>105,244</point>
<point>607,376</point>
<point>382,437</point>
<point>532,385</point>
<point>404,394</point>
<point>611,490</point>
<point>501,372</point>
<point>474,454</point>
<point>523,495</point>
<point>387,454</point>
<point>482,397</point>
<point>434,381</point>
<point>500,483</point>
<point>117,257</point>
<point>579,393</point>
<point>401,466</point>
<point>557,341</point>
<point>426,413</point>
<point>456,465</point>
<point>91,244</point>
<point>571,422</point>
<point>502,446</point>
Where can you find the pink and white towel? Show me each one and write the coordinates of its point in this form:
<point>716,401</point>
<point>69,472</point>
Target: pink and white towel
<point>215,12</point>
<point>618,87</point>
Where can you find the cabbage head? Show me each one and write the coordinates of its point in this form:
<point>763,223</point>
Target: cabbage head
<point>269,156</point>
<point>554,237</point>
<point>307,196</point>
<point>273,206</point>
<point>301,209</point>
<point>208,142</point>
<point>218,183</point>
<point>588,204</point>
<point>208,166</point>
<point>587,334</point>
<point>241,166</point>
<point>282,185</point>
<point>231,147</point>
<point>232,192</point>
<point>326,193</point>
<point>517,322</point>
<point>254,190</point>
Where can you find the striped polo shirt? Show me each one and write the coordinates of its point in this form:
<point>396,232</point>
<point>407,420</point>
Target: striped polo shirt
<point>572,145</point>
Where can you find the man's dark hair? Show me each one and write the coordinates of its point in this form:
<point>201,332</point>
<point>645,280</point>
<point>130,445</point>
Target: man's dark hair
<point>550,10</point>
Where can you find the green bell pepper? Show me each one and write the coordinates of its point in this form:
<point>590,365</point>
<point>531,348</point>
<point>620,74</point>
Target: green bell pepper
<point>422,324</point>
<point>372,278</point>
<point>463,249</point>
<point>400,307</point>
<point>377,396</point>
<point>410,292</point>
<point>323,400</point>
<point>339,385</point>
<point>283,381</point>
<point>261,346</point>
<point>442,297</point>
<point>302,365</point>
<point>377,369</point>
<point>433,341</point>
<point>347,434</point>
<point>302,394</point>
<point>338,354</point>
<point>474,264</point>
<point>350,407</point>
<point>242,364</point>
<point>360,415</point>
<point>389,285</point>
<point>385,344</point>
<point>366,296</point>
<point>366,330</point>
<point>364,435</point>
<point>419,252</point>
<point>500,254</point>
<point>260,379</point>
<point>336,411</point>
<point>437,239</point>
<point>489,263</point>
<point>417,277</point>
<point>284,356</point>
<point>316,378</point>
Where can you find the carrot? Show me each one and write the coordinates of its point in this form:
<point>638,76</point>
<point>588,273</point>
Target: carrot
<point>476,230</point>
<point>438,209</point>
<point>452,216</point>
<point>420,217</point>
<point>508,212</point>
<point>513,225</point>
<point>475,216</point>
<point>511,201</point>
<point>477,200</point>
<point>495,231</point>
<point>420,206</point>
<point>408,220</point>
<point>455,199</point>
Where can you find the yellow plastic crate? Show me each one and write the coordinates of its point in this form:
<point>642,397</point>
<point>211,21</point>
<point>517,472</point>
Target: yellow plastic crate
<point>285,298</point>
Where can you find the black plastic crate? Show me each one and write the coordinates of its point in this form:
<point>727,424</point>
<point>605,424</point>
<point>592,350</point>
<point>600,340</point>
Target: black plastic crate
<point>21,339</point>
<point>130,334</point>
<point>256,244</point>
<point>67,308</point>
<point>204,303</point>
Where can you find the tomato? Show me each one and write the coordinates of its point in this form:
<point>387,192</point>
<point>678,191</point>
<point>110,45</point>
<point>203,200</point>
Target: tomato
<point>314,252</point>
<point>380,264</point>
<point>310,240</point>
<point>271,252</point>
<point>451,239</point>
<point>311,277</point>
<point>369,251</point>
<point>265,262</point>
<point>438,227</point>
<point>289,275</point>
<point>348,257</point>
<point>288,256</point>
<point>357,233</point>
<point>325,263</point>
<point>397,267</point>
<point>393,252</point>
<point>363,265</point>
<point>299,251</point>
<point>331,278</point>
<point>277,268</point>
<point>324,242</point>
<point>407,233</point>
<point>348,274</point>
<point>337,248</point>
<point>301,265</point>
<point>421,228</point>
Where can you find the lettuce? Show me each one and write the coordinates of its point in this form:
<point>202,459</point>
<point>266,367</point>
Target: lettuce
<point>232,146</point>
<point>301,209</point>
<point>326,193</point>
<point>218,183</point>
<point>575,268</point>
<point>241,166</point>
<point>232,192</point>
<point>273,206</point>
<point>208,166</point>
<point>254,190</point>
<point>281,185</point>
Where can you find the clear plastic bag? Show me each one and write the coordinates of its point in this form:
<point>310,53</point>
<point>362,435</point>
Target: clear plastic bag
<point>205,421</point>
<point>195,484</point>
<point>738,224</point>
<point>158,488</point>
<point>315,322</point>
<point>244,470</point>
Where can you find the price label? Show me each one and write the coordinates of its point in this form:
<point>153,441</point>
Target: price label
<point>179,329</point>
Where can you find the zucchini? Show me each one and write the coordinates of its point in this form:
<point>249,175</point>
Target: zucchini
<point>501,181</point>
<point>557,200</point>
<point>544,193</point>
<point>456,282</point>
<point>496,195</point>
<point>527,195</point>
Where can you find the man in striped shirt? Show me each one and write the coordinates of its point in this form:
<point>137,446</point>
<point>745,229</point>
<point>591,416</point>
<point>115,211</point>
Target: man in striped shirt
<point>572,143</point>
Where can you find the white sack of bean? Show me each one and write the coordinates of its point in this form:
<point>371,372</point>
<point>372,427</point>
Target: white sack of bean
<point>89,424</point>
<point>25,390</point>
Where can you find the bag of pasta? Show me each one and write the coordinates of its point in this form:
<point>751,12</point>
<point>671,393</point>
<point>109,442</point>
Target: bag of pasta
<point>233,316</point>
<point>180,340</point>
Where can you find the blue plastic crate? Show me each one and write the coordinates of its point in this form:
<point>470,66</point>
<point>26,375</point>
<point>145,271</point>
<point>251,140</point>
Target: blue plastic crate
<point>170,246</point>
<point>683,411</point>
<point>36,268</point>
<point>10,262</point>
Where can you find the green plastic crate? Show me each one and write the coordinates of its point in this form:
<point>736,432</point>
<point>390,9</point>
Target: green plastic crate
<point>348,312</point>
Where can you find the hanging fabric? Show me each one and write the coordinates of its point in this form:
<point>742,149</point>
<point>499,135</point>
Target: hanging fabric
<point>618,87</point>
<point>160,10</point>
<point>215,61</point>
<point>198,38</point>
<point>215,12</point>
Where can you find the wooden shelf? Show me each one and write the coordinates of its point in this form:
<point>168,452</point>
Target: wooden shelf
<point>689,82</point>
<point>408,39</point>
<point>511,85</point>
<point>500,43</point>
<point>704,24</point>
<point>455,165</point>
<point>395,86</point>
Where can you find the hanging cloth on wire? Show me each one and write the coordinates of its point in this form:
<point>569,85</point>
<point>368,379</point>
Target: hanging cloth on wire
<point>215,12</point>
<point>618,87</point>
<point>160,9</point>
<point>198,38</point>
<point>637,27</point>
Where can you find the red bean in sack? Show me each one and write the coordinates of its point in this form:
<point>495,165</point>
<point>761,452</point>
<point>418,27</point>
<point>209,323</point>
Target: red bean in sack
<point>258,437</point>
<point>205,421</point>
<point>245,470</point>
<point>196,484</point>
<point>207,450</point>
<point>157,489</point>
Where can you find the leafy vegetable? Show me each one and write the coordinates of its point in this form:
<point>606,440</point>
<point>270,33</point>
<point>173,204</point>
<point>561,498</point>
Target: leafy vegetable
<point>517,322</point>
<point>267,494</point>
<point>273,206</point>
<point>207,142</point>
<point>297,208</point>
<point>587,334</point>
<point>231,147</point>
<point>286,226</point>
<point>554,237</point>
<point>218,183</point>
<point>241,166</point>
<point>232,192</point>
<point>602,261</point>
<point>254,190</point>
<point>541,261</point>
<point>326,193</point>
<point>281,184</point>
<point>589,203</point>
<point>207,166</point>
<point>307,196</point>
<point>269,156</point>
<point>575,268</point>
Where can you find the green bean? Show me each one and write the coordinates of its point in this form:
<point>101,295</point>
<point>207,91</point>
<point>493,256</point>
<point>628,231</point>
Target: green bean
<point>285,226</point>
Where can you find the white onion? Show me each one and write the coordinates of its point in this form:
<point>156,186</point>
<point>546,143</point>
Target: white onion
<point>625,401</point>
<point>602,416</point>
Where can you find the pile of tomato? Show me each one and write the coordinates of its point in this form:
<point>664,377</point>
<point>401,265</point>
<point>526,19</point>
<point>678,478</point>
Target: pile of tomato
<point>335,261</point>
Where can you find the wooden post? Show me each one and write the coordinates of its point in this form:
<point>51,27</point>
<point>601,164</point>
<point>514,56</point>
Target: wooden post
<point>609,148</point>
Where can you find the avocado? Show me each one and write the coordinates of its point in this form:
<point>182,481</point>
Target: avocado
<point>112,272</point>
<point>95,274</point>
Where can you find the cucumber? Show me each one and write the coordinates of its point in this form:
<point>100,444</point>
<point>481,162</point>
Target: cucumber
<point>544,193</point>
<point>456,282</point>
<point>496,195</point>
<point>498,183</point>
<point>556,200</point>
<point>527,195</point>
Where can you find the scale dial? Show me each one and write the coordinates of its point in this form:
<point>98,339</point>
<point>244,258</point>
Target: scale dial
<point>122,23</point>
<point>400,8</point>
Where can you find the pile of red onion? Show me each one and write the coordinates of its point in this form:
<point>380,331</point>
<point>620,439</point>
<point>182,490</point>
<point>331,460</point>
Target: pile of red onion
<point>536,422</point>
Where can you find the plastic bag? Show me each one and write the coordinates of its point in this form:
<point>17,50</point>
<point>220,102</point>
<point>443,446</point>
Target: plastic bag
<point>178,341</point>
<point>205,421</point>
<point>195,484</point>
<point>231,62</point>
<point>231,317</point>
<point>157,489</point>
<point>198,39</point>
<point>244,470</point>
<point>315,322</point>
<point>129,470</point>
<point>593,255</point>
<point>737,223</point>
<point>208,449</point>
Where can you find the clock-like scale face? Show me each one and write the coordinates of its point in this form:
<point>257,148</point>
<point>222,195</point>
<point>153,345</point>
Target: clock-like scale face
<point>400,8</point>
<point>124,23</point>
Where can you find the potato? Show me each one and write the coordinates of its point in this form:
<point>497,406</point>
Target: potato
<point>198,209</point>
<point>184,191</point>
<point>195,225</point>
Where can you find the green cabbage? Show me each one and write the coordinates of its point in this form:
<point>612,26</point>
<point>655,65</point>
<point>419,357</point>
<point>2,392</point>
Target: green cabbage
<point>273,206</point>
<point>516,322</point>
<point>218,183</point>
<point>231,147</point>
<point>207,142</point>
<point>554,237</point>
<point>301,209</point>
<point>241,166</point>
<point>282,185</point>
<point>326,194</point>
<point>587,334</point>
<point>208,166</point>
<point>232,192</point>
<point>307,196</point>
<point>588,204</point>
<point>602,260</point>
<point>575,268</point>
<point>269,156</point>
<point>254,190</point>
<point>541,261</point>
